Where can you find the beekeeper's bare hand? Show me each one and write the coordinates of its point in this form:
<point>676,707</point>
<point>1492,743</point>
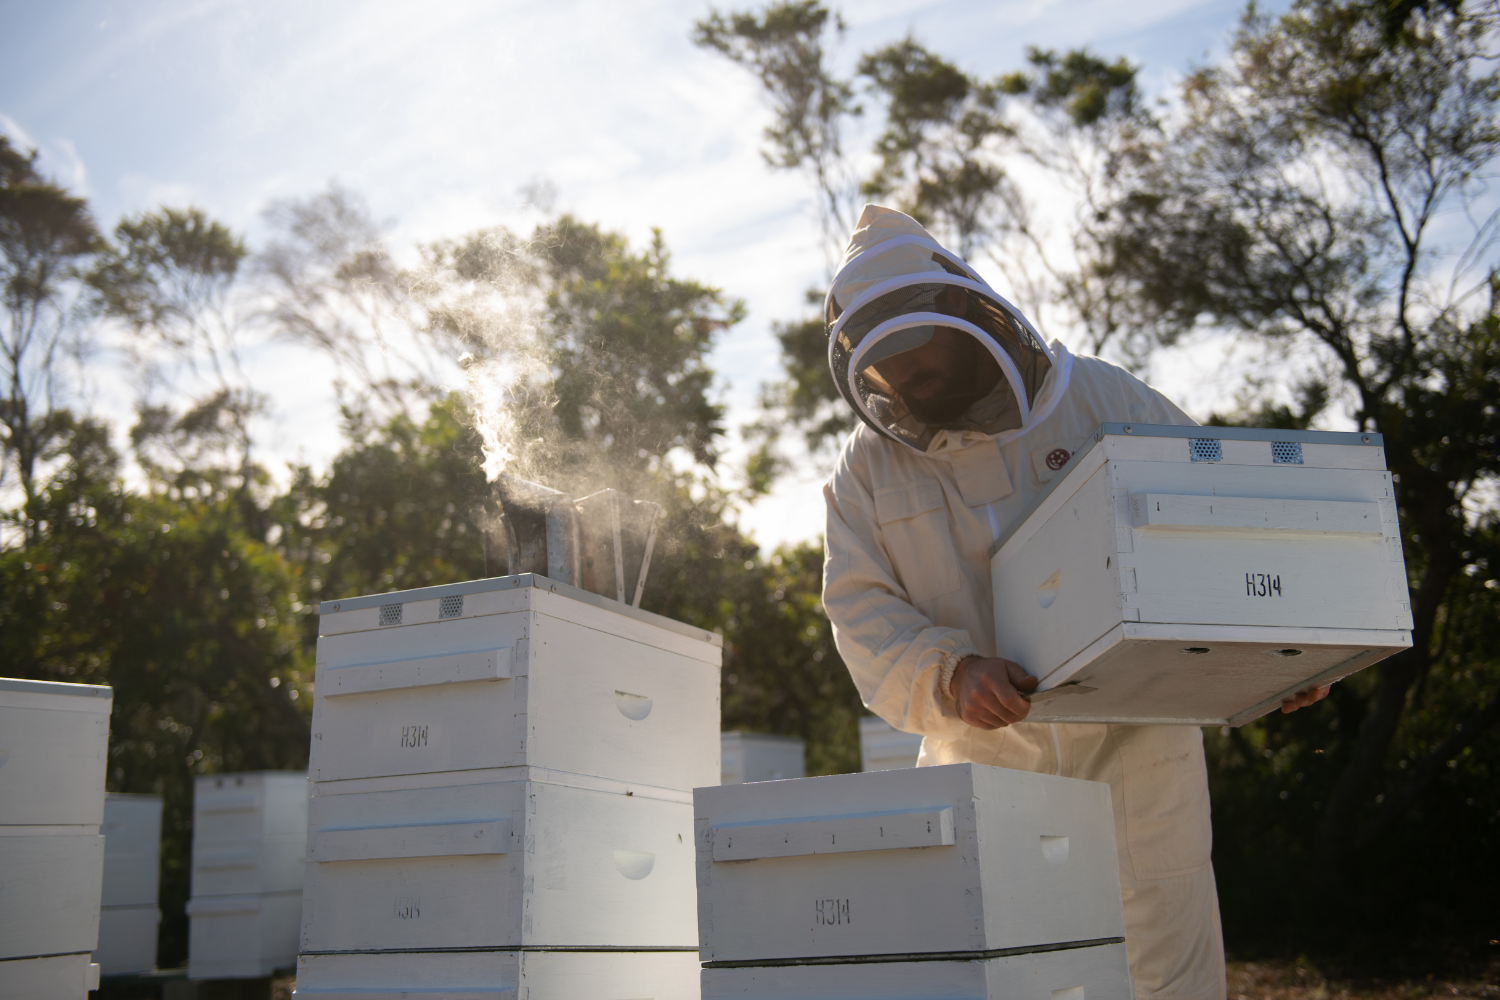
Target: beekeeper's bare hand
<point>990,691</point>
<point>1304,698</point>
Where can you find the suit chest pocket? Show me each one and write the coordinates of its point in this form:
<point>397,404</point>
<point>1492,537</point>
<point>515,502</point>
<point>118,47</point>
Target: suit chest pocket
<point>914,523</point>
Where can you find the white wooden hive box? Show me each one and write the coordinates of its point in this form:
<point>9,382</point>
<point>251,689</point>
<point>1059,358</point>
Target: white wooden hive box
<point>501,975</point>
<point>932,860</point>
<point>760,757</point>
<point>1101,972</point>
<point>242,937</point>
<point>57,977</point>
<point>249,805</point>
<point>132,850</point>
<point>238,867</point>
<point>49,899</point>
<point>423,862</point>
<point>513,671</point>
<point>1198,575</point>
<point>883,747</point>
<point>127,939</point>
<point>54,743</point>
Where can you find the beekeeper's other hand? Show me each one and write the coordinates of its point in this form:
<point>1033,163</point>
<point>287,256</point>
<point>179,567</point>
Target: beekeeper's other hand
<point>990,691</point>
<point>1301,699</point>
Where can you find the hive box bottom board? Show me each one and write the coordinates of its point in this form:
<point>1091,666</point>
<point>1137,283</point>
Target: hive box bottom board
<point>1100,973</point>
<point>56,977</point>
<point>242,937</point>
<point>500,975</point>
<point>1202,675</point>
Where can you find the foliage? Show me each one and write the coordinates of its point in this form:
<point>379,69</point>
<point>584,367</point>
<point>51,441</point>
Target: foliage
<point>44,233</point>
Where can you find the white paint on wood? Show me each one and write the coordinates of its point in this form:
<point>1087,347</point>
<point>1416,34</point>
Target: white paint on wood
<point>883,747</point>
<point>999,886</point>
<point>582,868</point>
<point>760,757</point>
<point>581,699</point>
<point>127,939</point>
<point>1206,675</point>
<point>242,937</point>
<point>428,840</point>
<point>56,977</point>
<point>484,776</point>
<point>1098,973</point>
<point>132,849</point>
<point>428,671</point>
<point>239,867</point>
<point>49,891</point>
<point>879,831</point>
<point>1144,539</point>
<point>249,805</point>
<point>54,742</point>
<point>501,975</point>
<point>1167,510</point>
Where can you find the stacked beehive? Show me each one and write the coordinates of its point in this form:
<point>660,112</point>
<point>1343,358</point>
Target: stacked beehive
<point>883,747</point>
<point>956,881</point>
<point>54,744</point>
<point>128,915</point>
<point>501,797</point>
<point>760,757</point>
<point>249,835</point>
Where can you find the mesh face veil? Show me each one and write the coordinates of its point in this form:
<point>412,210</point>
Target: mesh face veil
<point>918,343</point>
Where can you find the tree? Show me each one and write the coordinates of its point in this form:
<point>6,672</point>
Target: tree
<point>45,235</point>
<point>1297,200</point>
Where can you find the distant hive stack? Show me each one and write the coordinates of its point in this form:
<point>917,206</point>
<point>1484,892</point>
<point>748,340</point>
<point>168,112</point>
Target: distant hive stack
<point>128,915</point>
<point>759,757</point>
<point>955,881</point>
<point>883,747</point>
<point>249,837</point>
<point>502,777</point>
<point>54,745</point>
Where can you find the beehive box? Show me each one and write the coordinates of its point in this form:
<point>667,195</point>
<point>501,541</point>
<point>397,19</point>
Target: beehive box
<point>127,939</point>
<point>132,850</point>
<point>883,747</point>
<point>501,975</point>
<point>242,937</point>
<point>1091,973</point>
<point>249,806</point>
<point>55,977</point>
<point>1199,575</point>
<point>54,743</point>
<point>513,671</point>
<point>51,879</point>
<point>237,867</point>
<point>933,860</point>
<point>492,860</point>
<point>759,757</point>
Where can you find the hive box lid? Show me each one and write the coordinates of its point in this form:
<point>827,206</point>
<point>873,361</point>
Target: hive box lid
<point>509,583</point>
<point>18,693</point>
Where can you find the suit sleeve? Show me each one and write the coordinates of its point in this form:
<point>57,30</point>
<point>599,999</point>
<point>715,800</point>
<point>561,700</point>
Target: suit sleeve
<point>897,657</point>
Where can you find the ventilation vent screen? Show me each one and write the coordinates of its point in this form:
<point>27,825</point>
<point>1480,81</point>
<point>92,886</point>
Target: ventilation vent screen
<point>1286,452</point>
<point>451,607</point>
<point>1205,450</point>
<point>390,614</point>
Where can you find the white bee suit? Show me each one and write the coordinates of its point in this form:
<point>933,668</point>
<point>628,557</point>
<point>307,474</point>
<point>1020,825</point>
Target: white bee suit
<point>907,588</point>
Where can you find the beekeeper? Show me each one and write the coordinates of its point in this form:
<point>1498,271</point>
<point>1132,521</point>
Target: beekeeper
<point>966,415</point>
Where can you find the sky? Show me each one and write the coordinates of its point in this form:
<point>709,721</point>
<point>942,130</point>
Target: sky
<point>440,114</point>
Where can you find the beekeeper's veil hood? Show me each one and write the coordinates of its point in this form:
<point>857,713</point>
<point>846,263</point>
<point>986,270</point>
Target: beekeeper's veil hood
<point>915,336</point>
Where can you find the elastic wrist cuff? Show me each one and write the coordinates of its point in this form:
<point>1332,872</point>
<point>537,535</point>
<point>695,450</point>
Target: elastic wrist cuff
<point>950,665</point>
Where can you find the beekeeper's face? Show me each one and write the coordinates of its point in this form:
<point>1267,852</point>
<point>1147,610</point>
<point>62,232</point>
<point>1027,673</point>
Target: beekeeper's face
<point>940,380</point>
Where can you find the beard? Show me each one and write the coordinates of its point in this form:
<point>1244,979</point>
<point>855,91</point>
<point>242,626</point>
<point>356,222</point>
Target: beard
<point>960,390</point>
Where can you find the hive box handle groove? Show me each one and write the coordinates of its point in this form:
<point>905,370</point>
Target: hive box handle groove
<point>454,668</point>
<point>1166,510</point>
<point>434,840</point>
<point>792,838</point>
